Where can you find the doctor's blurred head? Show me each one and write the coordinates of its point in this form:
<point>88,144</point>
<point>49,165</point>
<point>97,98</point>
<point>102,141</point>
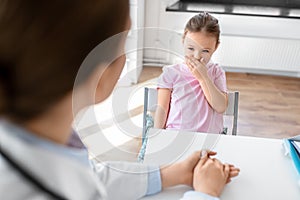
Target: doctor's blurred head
<point>43,44</point>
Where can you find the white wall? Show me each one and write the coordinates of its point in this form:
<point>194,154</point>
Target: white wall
<point>134,44</point>
<point>248,43</point>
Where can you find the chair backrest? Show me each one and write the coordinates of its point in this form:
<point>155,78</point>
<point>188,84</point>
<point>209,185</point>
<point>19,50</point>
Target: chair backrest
<point>151,99</point>
<point>232,109</point>
<point>150,104</point>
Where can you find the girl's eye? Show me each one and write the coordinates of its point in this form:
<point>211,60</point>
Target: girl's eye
<point>205,51</point>
<point>191,49</point>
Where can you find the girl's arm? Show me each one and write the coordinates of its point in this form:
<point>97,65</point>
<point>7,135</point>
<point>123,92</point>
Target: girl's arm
<point>163,104</point>
<point>218,100</point>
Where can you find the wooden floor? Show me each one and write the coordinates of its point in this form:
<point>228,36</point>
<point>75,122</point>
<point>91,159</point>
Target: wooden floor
<point>269,106</point>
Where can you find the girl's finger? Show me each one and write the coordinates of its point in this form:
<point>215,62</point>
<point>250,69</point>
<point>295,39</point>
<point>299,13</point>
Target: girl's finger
<point>202,61</point>
<point>193,61</point>
<point>187,60</point>
<point>196,61</point>
<point>189,66</point>
<point>187,63</point>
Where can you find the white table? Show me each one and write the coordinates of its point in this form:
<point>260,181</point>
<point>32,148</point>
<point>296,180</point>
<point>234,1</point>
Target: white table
<point>266,173</point>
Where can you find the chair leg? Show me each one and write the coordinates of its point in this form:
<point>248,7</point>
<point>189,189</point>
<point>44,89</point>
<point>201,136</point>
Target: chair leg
<point>225,130</point>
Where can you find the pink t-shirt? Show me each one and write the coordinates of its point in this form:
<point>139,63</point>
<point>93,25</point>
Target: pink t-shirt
<point>189,109</point>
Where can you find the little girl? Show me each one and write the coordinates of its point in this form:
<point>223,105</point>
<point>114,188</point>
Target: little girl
<point>193,95</point>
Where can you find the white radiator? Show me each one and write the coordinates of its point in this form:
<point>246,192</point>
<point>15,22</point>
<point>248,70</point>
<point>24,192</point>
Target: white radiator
<point>259,53</point>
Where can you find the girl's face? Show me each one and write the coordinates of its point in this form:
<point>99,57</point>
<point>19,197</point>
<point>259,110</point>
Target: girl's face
<point>199,45</point>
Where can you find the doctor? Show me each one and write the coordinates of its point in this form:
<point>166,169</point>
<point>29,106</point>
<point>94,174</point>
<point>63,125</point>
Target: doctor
<point>42,46</point>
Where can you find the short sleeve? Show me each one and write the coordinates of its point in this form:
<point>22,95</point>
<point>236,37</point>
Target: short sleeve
<point>220,78</point>
<point>165,80</point>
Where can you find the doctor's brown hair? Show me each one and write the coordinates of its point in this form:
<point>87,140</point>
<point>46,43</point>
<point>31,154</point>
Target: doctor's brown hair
<point>203,22</point>
<point>42,45</point>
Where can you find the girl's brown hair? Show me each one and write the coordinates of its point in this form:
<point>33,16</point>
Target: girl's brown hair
<point>42,45</point>
<point>203,22</point>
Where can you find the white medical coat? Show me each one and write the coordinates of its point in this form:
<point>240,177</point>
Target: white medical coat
<point>70,178</point>
<point>66,176</point>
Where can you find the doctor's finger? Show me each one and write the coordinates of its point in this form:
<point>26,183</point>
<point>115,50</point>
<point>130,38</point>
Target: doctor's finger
<point>194,158</point>
<point>226,171</point>
<point>228,180</point>
<point>203,158</point>
<point>212,153</point>
<point>218,163</point>
<point>234,172</point>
